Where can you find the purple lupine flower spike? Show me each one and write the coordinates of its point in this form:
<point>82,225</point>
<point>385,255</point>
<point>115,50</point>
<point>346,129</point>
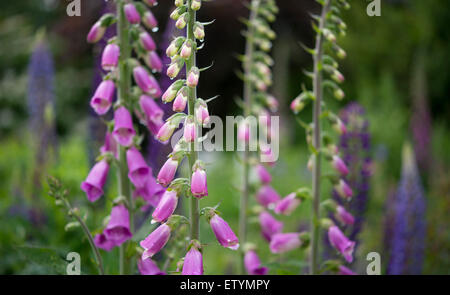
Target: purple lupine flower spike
<point>263,174</point>
<point>118,228</point>
<point>284,242</point>
<point>148,267</point>
<point>166,206</point>
<point>193,262</point>
<point>132,14</point>
<point>110,57</point>
<point>103,96</point>
<point>102,242</point>
<point>155,241</point>
<point>339,241</point>
<point>267,196</point>
<point>253,264</point>
<point>137,167</point>
<point>224,234</point>
<point>199,185</point>
<point>123,127</point>
<point>167,172</point>
<point>93,185</point>
<point>269,225</point>
<point>287,205</point>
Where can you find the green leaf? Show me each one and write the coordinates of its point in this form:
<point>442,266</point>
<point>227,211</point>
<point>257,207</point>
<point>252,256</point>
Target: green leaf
<point>44,260</point>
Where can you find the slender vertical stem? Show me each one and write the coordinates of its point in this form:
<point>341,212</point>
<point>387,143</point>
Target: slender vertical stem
<point>248,100</point>
<point>317,86</point>
<point>194,211</point>
<point>124,85</point>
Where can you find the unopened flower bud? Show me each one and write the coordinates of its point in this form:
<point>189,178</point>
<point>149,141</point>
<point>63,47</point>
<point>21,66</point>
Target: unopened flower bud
<point>175,68</point>
<point>190,131</point>
<point>341,53</point>
<point>192,78</point>
<point>147,41</point>
<point>165,132</point>
<point>201,113</point>
<point>343,189</point>
<point>337,76</point>
<point>186,49</point>
<point>149,20</point>
<point>96,33</point>
<point>339,165</point>
<point>182,21</point>
<point>174,47</point>
<point>339,94</point>
<point>132,14</point>
<point>339,127</point>
<point>196,4</point>
<point>329,35</point>
<point>298,103</point>
<point>175,15</point>
<point>179,104</point>
<point>199,185</point>
<point>179,3</point>
<point>172,91</point>
<point>154,61</point>
<point>199,31</point>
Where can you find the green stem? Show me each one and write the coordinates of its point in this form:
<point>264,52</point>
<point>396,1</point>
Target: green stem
<point>317,110</point>
<point>124,85</point>
<point>248,100</point>
<point>194,211</point>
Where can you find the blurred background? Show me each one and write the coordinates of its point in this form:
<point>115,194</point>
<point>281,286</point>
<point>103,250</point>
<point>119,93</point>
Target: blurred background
<point>397,86</point>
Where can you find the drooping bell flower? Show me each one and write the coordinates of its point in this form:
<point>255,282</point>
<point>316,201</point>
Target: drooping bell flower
<point>166,131</point>
<point>253,264</point>
<point>193,262</point>
<point>343,189</point>
<point>339,165</point>
<point>345,271</point>
<point>148,267</point>
<point>180,102</point>
<point>118,228</point>
<point>132,14</point>
<point>269,225</point>
<point>167,172</point>
<point>149,20</point>
<point>153,60</point>
<point>263,174</point>
<point>109,145</point>
<point>344,216</point>
<point>96,32</point>
<point>93,185</point>
<point>155,241</point>
<point>172,91</point>
<point>110,57</point>
<point>103,96</point>
<point>224,234</point>
<point>102,242</point>
<point>147,41</point>
<point>151,192</point>
<point>166,206</point>
<point>201,112</point>
<point>151,109</point>
<point>284,242</point>
<point>123,127</point>
<point>192,78</point>
<point>190,130</point>
<point>137,167</point>
<point>145,82</point>
<point>267,196</point>
<point>199,184</point>
<point>339,241</point>
<point>287,205</point>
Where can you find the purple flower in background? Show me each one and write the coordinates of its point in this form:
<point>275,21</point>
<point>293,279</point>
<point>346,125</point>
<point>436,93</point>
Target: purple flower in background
<point>287,205</point>
<point>138,169</point>
<point>253,264</point>
<point>407,243</point>
<point>151,192</point>
<point>267,196</point>
<point>123,127</point>
<point>109,145</point>
<point>102,242</point>
<point>148,267</point>
<point>193,262</point>
<point>118,228</point>
<point>132,14</point>
<point>284,242</point>
<point>93,185</point>
<point>339,241</point>
<point>269,225</point>
<point>224,234</point>
<point>263,174</point>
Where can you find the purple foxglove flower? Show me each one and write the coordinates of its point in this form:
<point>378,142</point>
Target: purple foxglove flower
<point>151,109</point>
<point>263,174</point>
<point>343,189</point>
<point>284,242</point>
<point>96,33</point>
<point>93,185</point>
<point>118,228</point>
<point>166,206</point>
<point>149,20</point>
<point>102,242</point>
<point>154,126</point>
<point>132,14</point>
<point>269,225</point>
<point>123,127</point>
<point>267,196</point>
<point>339,165</point>
<point>253,264</point>
<point>287,205</point>
<point>345,271</point>
<point>199,186</point>
<point>103,96</point>
<point>145,82</point>
<point>224,234</point>
<point>151,192</point>
<point>155,241</point>
<point>148,267</point>
<point>202,114</point>
<point>167,172</point>
<point>193,262</point>
<point>137,167</point>
<point>110,145</point>
<point>190,132</point>
<point>147,41</point>
<point>179,104</point>
<point>154,61</point>
<point>110,57</point>
<point>344,216</point>
<point>199,31</point>
<point>339,241</point>
<point>165,132</point>
<point>192,78</point>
